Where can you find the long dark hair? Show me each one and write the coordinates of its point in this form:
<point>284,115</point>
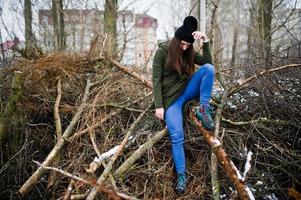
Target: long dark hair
<point>179,60</point>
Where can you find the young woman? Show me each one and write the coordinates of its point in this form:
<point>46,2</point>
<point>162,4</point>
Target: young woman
<point>175,81</point>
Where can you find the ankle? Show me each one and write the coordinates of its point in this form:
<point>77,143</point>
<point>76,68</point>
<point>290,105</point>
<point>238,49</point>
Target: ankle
<point>181,174</point>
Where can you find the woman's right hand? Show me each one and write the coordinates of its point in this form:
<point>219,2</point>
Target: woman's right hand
<point>160,113</point>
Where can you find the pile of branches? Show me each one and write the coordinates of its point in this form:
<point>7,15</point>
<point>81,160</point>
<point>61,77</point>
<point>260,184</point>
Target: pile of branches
<point>85,126</point>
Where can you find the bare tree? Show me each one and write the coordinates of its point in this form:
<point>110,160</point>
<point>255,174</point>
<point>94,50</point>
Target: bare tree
<point>110,20</point>
<point>264,26</point>
<point>29,36</point>
<point>58,25</point>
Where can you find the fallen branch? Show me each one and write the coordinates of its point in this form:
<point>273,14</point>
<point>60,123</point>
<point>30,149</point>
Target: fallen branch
<point>110,115</point>
<point>122,107</point>
<point>292,192</point>
<point>35,177</point>
<point>78,196</point>
<point>243,191</point>
<point>244,83</point>
<point>112,194</point>
<point>109,166</point>
<point>139,152</point>
<point>261,120</point>
<point>213,161</point>
<point>132,73</point>
<point>58,127</point>
<point>92,137</point>
<point>68,193</point>
<point>58,124</point>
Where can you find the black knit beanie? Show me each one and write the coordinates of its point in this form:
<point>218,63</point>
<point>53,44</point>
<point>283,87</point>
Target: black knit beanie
<point>185,31</point>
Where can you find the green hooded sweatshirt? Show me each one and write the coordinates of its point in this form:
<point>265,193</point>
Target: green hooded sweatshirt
<point>168,84</point>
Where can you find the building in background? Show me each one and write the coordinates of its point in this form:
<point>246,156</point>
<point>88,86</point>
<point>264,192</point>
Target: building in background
<point>136,33</point>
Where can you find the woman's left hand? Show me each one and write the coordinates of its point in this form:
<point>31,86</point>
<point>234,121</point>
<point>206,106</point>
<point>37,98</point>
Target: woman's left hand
<point>198,35</point>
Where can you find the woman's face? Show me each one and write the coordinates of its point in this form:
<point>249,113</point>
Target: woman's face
<point>184,45</point>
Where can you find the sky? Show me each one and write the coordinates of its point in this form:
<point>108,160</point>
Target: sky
<point>12,22</point>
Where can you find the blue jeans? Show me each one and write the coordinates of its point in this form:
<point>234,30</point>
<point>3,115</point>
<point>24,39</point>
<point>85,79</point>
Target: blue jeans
<point>199,85</point>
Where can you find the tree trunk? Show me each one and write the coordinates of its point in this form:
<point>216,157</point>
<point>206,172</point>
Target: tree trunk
<point>234,52</point>
<point>264,26</point>
<point>110,20</point>
<point>10,107</point>
<point>215,36</point>
<point>28,21</point>
<point>251,41</point>
<point>58,25</point>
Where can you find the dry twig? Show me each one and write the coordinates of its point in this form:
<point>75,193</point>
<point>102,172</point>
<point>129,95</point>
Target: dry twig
<point>35,177</point>
<point>108,168</point>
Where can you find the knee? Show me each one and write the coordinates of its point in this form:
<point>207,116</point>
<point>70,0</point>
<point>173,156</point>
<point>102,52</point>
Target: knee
<point>209,68</point>
<point>176,137</point>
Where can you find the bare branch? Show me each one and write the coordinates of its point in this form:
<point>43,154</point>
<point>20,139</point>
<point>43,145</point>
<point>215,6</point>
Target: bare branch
<point>35,177</point>
<point>57,118</point>
<point>108,168</point>
<point>244,83</point>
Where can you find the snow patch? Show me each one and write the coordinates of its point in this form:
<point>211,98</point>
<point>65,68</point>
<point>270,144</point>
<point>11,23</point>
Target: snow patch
<point>247,165</point>
<point>106,154</point>
<point>216,142</point>
<point>259,183</point>
<point>250,193</point>
<point>270,197</point>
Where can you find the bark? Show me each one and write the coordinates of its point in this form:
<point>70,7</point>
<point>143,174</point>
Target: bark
<point>261,120</point>
<point>29,36</point>
<point>264,25</point>
<point>57,118</point>
<point>110,24</point>
<point>58,126</point>
<point>35,177</point>
<point>215,34</point>
<point>293,193</point>
<point>252,39</point>
<point>234,51</point>
<point>139,152</point>
<point>132,73</point>
<point>214,159</point>
<point>216,40</point>
<point>10,108</point>
<point>58,25</point>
